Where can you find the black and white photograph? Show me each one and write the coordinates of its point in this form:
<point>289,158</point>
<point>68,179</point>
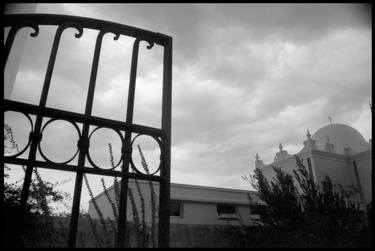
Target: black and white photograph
<point>187,125</point>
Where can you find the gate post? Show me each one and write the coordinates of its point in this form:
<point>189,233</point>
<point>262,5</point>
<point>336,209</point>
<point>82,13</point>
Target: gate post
<point>164,222</point>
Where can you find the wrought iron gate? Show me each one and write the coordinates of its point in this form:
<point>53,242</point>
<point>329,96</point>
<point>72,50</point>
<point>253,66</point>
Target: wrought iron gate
<point>162,136</point>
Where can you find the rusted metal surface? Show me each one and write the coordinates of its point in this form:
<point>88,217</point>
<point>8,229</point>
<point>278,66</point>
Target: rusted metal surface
<point>162,136</point>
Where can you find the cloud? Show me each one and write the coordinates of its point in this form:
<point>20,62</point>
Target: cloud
<point>245,77</point>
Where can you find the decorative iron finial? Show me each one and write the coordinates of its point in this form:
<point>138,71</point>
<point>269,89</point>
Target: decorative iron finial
<point>308,135</point>
<point>256,156</point>
<point>280,146</point>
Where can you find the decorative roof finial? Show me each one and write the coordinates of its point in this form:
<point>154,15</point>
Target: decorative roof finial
<point>308,135</point>
<point>330,120</point>
<point>256,156</point>
<point>280,146</point>
<point>309,144</point>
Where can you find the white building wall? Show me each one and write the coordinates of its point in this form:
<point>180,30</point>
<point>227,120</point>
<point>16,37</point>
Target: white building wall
<point>335,166</point>
<point>199,204</point>
<point>338,167</point>
<point>288,165</point>
<point>107,210</point>
<point>364,167</point>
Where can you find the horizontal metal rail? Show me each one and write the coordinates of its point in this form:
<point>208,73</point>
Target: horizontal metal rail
<point>10,105</point>
<point>73,168</point>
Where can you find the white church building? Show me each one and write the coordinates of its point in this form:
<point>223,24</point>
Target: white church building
<point>335,150</point>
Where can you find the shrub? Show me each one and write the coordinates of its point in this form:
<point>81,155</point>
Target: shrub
<point>305,214</point>
<point>35,225</point>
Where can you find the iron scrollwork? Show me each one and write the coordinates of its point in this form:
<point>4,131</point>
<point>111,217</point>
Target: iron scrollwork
<point>67,25</point>
<point>12,34</point>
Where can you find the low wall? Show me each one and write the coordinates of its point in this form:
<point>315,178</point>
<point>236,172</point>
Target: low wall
<point>181,235</point>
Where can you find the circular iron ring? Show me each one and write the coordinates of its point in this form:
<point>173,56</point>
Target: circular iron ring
<point>29,141</point>
<point>161,154</point>
<point>88,150</point>
<point>40,150</point>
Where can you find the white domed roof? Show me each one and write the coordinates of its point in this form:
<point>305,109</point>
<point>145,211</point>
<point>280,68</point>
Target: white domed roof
<point>341,136</point>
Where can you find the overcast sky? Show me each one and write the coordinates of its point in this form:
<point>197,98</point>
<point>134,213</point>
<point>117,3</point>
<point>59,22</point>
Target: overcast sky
<point>245,77</point>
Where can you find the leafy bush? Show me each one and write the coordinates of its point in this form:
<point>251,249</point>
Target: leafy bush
<point>35,225</point>
<point>305,214</point>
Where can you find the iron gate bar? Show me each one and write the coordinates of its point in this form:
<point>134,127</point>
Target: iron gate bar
<point>35,135</point>
<point>166,127</point>
<point>121,224</point>
<point>163,135</point>
<point>127,142</point>
<point>83,142</point>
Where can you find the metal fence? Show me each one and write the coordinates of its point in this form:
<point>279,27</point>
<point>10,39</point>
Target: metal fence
<point>162,136</point>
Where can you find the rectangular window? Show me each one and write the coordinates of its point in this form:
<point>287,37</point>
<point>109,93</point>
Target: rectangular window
<point>358,180</point>
<point>226,209</point>
<point>175,208</point>
<point>310,169</point>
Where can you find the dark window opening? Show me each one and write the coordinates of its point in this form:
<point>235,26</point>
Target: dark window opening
<point>226,209</point>
<point>175,208</point>
<point>310,169</point>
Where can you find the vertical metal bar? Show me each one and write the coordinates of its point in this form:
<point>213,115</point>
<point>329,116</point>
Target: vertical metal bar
<point>9,43</point>
<point>7,48</point>
<point>11,35</point>
<point>84,144</point>
<point>164,198</point>
<point>38,123</point>
<point>121,238</point>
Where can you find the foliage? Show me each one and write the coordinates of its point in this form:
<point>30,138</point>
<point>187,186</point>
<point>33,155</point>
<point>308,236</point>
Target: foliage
<point>280,195</point>
<point>139,222</point>
<point>300,212</point>
<point>36,224</point>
